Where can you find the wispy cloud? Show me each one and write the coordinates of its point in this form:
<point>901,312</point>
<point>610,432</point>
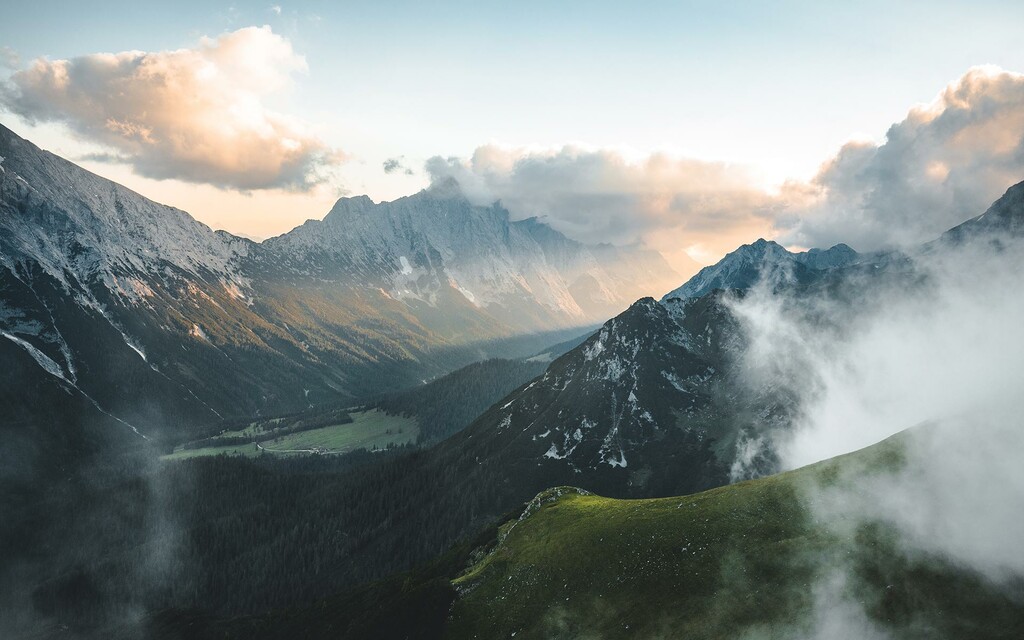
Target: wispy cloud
<point>9,58</point>
<point>395,165</point>
<point>198,114</point>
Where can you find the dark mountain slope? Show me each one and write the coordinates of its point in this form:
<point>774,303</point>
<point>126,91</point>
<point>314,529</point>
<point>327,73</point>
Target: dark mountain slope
<point>450,403</point>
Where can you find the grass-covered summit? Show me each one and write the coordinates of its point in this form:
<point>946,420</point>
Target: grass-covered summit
<point>750,560</point>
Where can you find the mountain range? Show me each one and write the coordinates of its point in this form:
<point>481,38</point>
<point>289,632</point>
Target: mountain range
<point>160,324</point>
<point>122,318</point>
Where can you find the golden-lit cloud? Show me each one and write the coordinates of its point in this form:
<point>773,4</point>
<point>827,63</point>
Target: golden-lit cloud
<point>682,207</point>
<point>944,163</point>
<point>198,114</point>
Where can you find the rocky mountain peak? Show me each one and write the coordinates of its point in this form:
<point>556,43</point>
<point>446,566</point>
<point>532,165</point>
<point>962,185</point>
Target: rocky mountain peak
<point>1006,215</point>
<point>349,205</point>
<point>743,267</point>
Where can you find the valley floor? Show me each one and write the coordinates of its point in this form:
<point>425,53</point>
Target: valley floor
<point>370,429</point>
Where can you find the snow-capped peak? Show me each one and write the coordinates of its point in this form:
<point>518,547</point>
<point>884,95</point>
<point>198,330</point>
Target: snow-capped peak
<point>741,268</point>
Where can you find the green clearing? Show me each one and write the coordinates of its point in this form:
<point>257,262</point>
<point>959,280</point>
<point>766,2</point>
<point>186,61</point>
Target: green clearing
<point>249,450</point>
<point>741,561</point>
<point>367,430</point>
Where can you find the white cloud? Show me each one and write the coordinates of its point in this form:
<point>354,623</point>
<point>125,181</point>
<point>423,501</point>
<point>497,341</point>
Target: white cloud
<point>944,163</point>
<point>941,347</point>
<point>198,114</point>
<point>890,355</point>
<point>599,195</point>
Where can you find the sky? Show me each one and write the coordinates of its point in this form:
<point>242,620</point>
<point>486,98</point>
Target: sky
<point>689,127</point>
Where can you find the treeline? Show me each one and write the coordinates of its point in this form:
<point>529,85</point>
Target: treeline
<point>229,535</point>
<point>447,405</point>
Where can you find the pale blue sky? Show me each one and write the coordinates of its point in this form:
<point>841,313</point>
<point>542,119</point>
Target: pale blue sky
<point>777,86</point>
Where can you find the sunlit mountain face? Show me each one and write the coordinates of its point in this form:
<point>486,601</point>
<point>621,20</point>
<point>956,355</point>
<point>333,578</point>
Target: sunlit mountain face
<point>400,292</point>
<point>528,322</point>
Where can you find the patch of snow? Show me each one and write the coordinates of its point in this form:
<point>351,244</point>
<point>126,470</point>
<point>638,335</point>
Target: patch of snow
<point>41,358</point>
<point>142,354</point>
<point>674,380</point>
<point>54,369</point>
<point>614,369</point>
<point>621,462</point>
<point>553,453</point>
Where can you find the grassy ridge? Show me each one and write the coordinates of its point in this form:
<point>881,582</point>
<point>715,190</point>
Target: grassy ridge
<point>746,560</point>
<point>642,568</point>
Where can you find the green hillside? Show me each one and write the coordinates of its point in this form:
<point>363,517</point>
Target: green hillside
<point>743,561</point>
<point>748,561</point>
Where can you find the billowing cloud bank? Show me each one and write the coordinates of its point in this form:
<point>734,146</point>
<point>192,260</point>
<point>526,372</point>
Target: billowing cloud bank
<point>598,195</point>
<point>198,115</point>
<point>944,163</point>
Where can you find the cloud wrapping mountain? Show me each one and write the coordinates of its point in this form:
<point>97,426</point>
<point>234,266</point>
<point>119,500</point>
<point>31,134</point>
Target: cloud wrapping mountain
<point>942,339</point>
<point>198,115</point>
<point>936,167</point>
<point>941,347</point>
<point>600,195</point>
